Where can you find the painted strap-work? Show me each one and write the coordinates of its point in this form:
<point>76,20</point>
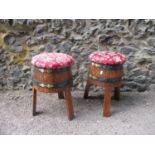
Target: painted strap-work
<point>107,67</point>
<point>106,80</point>
<point>53,85</point>
<point>50,70</point>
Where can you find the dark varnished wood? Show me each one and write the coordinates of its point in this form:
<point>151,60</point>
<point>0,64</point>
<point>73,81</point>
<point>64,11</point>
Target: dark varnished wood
<point>69,104</point>
<point>34,101</point>
<point>48,90</point>
<point>51,78</point>
<point>107,101</point>
<point>47,77</point>
<point>103,84</point>
<point>105,73</point>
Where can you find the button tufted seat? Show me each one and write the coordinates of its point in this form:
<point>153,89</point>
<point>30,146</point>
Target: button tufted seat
<point>109,58</point>
<point>52,60</point>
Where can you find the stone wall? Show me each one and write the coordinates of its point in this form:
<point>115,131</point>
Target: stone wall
<point>22,39</point>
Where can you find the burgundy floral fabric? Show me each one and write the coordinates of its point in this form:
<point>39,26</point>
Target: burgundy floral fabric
<point>109,58</point>
<point>52,60</point>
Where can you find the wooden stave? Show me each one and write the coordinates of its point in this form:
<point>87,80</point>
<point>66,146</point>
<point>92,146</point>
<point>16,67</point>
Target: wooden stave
<point>47,78</point>
<point>107,75</point>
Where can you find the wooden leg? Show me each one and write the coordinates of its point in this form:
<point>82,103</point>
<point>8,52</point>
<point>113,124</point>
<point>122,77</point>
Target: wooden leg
<point>69,105</point>
<point>107,101</point>
<point>60,95</point>
<point>34,102</point>
<point>86,90</point>
<point>116,93</point>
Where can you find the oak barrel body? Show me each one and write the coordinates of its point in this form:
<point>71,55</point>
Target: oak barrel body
<point>51,79</point>
<point>105,75</point>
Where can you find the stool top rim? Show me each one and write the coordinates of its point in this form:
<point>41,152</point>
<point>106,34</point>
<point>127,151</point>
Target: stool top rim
<point>52,60</point>
<point>107,57</point>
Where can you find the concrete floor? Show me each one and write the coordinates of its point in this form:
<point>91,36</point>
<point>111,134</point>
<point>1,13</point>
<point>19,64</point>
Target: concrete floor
<point>133,114</point>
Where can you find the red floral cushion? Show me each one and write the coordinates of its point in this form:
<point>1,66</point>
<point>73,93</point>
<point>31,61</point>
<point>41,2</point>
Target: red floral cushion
<point>52,60</point>
<point>110,57</point>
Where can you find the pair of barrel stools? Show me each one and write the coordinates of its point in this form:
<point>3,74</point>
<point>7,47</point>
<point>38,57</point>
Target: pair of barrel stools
<point>52,74</point>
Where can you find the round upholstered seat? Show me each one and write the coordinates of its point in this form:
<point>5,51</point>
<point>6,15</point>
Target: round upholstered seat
<point>107,58</point>
<point>52,60</point>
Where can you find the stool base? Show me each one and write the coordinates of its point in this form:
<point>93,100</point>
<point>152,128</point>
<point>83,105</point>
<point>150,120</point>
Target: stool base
<point>107,93</point>
<point>62,94</point>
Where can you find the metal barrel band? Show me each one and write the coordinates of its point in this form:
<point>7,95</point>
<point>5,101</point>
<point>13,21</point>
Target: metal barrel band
<point>106,80</point>
<point>52,85</point>
<point>50,70</point>
<point>107,67</point>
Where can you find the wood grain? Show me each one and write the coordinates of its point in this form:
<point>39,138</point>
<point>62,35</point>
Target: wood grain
<point>46,77</point>
<point>101,73</point>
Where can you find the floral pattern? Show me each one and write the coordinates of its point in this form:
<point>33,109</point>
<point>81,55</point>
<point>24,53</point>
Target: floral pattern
<point>52,60</point>
<point>109,58</point>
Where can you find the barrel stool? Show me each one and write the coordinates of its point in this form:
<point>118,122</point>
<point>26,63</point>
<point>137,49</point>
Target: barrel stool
<point>106,70</point>
<point>51,73</point>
